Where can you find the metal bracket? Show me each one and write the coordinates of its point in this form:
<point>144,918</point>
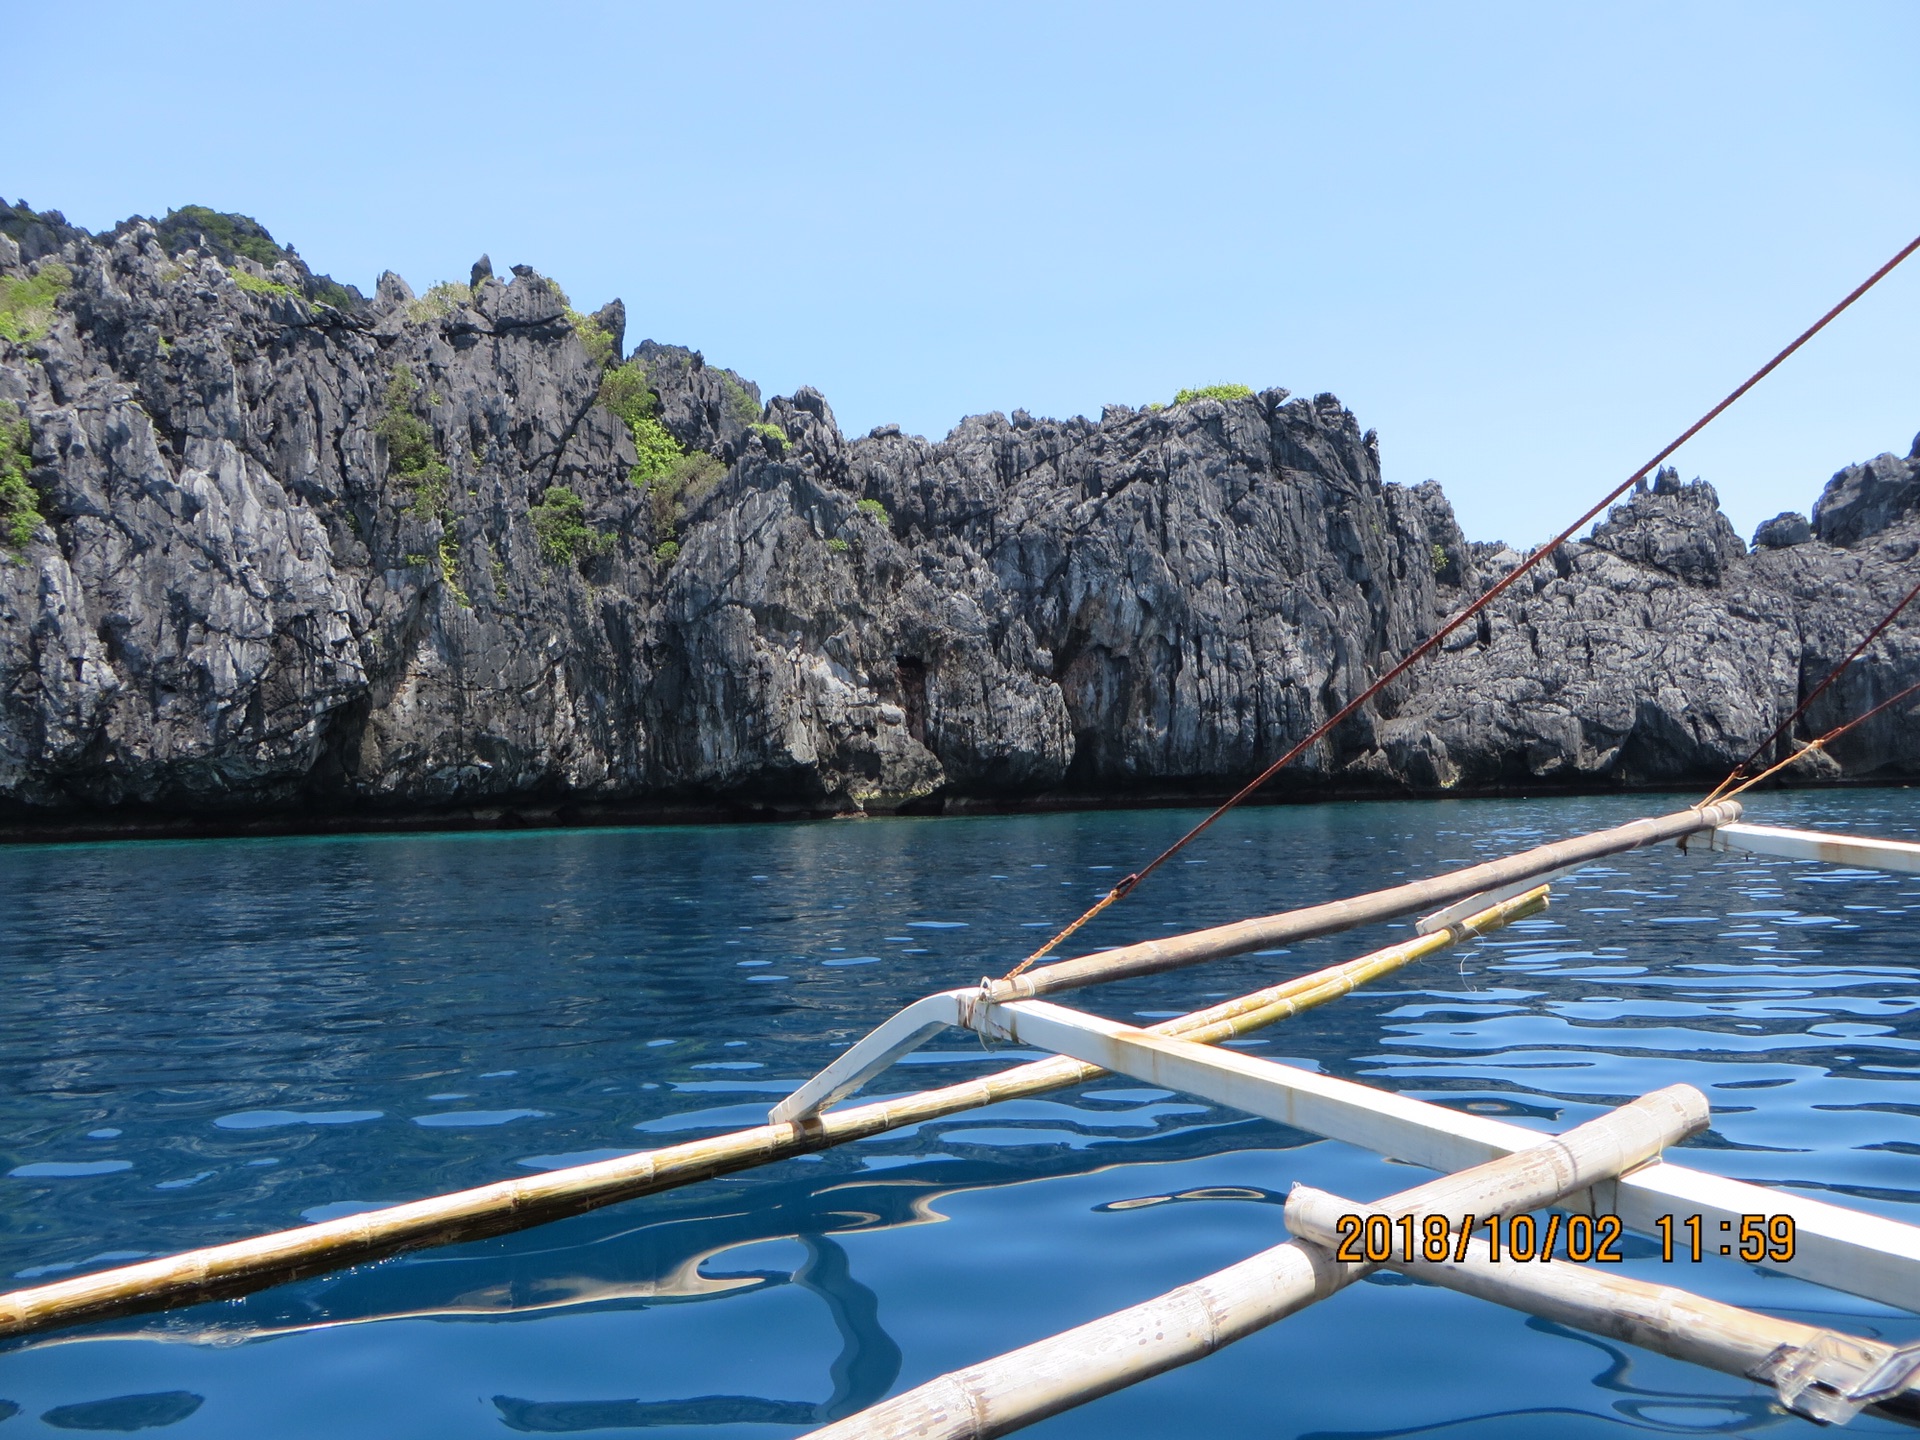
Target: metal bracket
<point>1836,1377</point>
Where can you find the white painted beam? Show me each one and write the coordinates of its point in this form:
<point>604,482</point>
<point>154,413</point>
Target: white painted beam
<point>1859,851</point>
<point>1858,1253</point>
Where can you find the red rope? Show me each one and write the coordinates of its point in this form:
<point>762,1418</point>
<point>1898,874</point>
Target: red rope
<point>1426,647</point>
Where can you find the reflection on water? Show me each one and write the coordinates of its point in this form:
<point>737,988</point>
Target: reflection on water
<point>867,1365</point>
<point>126,1412</point>
<point>1642,1407</point>
<point>213,1039</point>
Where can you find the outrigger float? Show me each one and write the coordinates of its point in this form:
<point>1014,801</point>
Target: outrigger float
<point>1605,1176</point>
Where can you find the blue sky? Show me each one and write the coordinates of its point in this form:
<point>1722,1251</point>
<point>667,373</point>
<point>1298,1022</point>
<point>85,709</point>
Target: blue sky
<point>1527,243</point>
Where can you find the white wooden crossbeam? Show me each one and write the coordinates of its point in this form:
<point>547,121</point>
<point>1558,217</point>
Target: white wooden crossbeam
<point>1859,851</point>
<point>1862,1254</point>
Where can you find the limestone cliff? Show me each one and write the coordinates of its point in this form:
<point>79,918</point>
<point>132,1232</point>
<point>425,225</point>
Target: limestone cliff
<point>291,553</point>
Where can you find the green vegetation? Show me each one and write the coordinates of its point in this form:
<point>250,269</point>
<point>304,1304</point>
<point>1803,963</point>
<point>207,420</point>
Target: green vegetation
<point>450,564</point>
<point>19,502</point>
<point>1439,558</point>
<point>256,284</point>
<point>412,458</point>
<point>875,509</point>
<point>233,234</point>
<point>673,477</point>
<point>331,292</point>
<point>26,302</point>
<point>439,302</point>
<point>1215,392</point>
<point>667,550</point>
<point>686,482</point>
<point>560,525</point>
<point>775,437</point>
<point>598,342</point>
<point>659,452</point>
<point>627,394</point>
<point>838,546</point>
<point>410,452</point>
<point>740,401</point>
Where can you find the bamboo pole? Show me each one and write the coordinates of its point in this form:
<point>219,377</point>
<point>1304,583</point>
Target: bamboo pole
<point>1186,1324</point>
<point>1175,951</point>
<point>244,1266</point>
<point>1818,1373</point>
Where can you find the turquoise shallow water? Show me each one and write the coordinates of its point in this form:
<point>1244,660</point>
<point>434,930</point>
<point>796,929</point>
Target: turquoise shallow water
<point>208,1040</point>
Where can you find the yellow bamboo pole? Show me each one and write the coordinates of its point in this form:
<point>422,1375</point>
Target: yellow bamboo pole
<point>244,1266</point>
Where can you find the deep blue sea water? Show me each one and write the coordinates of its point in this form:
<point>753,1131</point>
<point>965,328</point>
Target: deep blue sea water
<point>201,1041</point>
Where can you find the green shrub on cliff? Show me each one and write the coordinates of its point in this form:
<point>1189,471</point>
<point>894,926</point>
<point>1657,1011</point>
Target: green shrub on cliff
<point>27,301</point>
<point>256,284</point>
<point>327,291</point>
<point>672,476</point>
<point>598,342</point>
<point>626,392</point>
<point>560,525</point>
<point>875,509</point>
<point>439,302</point>
<point>683,483</point>
<point>449,553</point>
<point>226,232</point>
<point>1215,392</point>
<point>775,437</point>
<point>412,459</point>
<point>740,401</point>
<point>657,450</point>
<point>410,453</point>
<point>19,501</point>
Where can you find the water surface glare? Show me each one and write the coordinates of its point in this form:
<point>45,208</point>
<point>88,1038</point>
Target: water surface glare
<point>210,1040</point>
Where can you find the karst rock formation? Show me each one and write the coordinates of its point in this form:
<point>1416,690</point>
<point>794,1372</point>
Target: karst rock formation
<point>302,556</point>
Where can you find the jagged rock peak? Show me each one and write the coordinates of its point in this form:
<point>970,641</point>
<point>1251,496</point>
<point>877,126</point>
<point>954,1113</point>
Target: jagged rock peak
<point>1675,527</point>
<point>1863,500</point>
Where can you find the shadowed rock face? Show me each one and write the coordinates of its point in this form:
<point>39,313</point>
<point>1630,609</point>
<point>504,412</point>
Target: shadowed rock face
<point>243,602</point>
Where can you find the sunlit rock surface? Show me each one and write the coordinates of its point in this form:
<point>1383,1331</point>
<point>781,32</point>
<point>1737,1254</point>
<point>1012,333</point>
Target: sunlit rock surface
<point>239,604</point>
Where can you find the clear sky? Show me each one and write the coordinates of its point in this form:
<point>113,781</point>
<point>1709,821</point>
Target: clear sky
<point>1527,243</point>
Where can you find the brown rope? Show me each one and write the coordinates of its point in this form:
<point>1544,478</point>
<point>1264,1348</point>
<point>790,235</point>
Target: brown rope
<point>1806,704</point>
<point>1426,647</point>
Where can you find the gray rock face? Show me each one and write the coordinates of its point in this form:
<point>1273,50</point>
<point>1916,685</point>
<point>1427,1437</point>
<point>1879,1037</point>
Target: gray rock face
<point>1863,500</point>
<point>1785,529</point>
<point>303,558</point>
